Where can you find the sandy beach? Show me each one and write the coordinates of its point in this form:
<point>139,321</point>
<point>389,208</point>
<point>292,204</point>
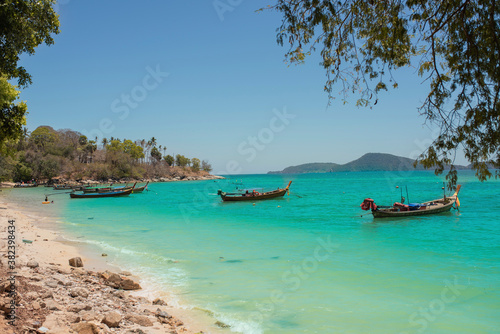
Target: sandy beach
<point>40,292</point>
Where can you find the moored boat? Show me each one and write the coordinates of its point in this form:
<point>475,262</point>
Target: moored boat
<point>141,189</point>
<point>254,195</point>
<point>439,205</point>
<point>107,189</point>
<point>113,193</point>
<point>63,187</point>
<point>26,185</point>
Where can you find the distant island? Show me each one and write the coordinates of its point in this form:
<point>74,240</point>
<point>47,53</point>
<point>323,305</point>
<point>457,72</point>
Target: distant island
<point>370,162</point>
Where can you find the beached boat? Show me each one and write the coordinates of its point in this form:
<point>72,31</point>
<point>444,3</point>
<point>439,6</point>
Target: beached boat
<point>439,205</point>
<point>113,193</point>
<point>63,187</point>
<point>254,195</point>
<point>25,185</point>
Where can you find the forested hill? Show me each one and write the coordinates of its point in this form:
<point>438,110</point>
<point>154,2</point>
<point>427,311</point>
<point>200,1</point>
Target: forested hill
<point>47,154</point>
<point>368,162</point>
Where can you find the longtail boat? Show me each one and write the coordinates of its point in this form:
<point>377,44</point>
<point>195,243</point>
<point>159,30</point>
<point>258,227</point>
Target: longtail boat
<point>140,189</point>
<point>439,205</point>
<point>107,189</point>
<point>62,187</point>
<point>113,193</point>
<point>254,195</point>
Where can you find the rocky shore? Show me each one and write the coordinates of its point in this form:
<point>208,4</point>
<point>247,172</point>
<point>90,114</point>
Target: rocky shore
<point>48,286</point>
<point>61,180</point>
<point>54,299</point>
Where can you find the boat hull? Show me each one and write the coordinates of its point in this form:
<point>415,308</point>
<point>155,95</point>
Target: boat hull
<point>440,206</point>
<point>254,197</point>
<point>63,188</point>
<point>268,195</point>
<point>101,195</point>
<point>140,189</point>
<point>109,189</point>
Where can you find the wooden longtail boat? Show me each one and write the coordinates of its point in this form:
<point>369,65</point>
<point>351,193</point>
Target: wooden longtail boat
<point>79,188</point>
<point>439,205</point>
<point>140,189</point>
<point>253,196</point>
<point>107,189</point>
<point>62,187</point>
<point>114,193</point>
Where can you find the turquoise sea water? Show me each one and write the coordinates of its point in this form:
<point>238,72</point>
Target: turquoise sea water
<point>307,263</point>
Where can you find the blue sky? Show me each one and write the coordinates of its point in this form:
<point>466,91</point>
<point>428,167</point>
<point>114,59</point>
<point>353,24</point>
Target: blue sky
<point>208,84</point>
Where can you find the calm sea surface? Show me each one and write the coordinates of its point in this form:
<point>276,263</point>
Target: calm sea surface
<point>307,263</point>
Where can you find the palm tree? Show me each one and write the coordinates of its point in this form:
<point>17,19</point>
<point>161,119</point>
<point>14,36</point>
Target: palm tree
<point>148,147</point>
<point>104,142</point>
<point>26,133</point>
<point>142,143</point>
<point>152,143</point>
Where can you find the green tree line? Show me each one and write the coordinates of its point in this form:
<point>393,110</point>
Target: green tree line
<point>46,153</point>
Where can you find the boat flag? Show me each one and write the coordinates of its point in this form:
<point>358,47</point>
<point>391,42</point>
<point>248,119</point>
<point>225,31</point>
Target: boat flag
<point>457,202</point>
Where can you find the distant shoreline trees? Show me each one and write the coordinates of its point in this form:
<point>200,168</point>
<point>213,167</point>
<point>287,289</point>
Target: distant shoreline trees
<point>47,153</point>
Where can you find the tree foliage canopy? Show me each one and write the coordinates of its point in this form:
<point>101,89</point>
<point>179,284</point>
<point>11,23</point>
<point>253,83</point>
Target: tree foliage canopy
<point>454,44</point>
<point>207,167</point>
<point>24,24</point>
<point>132,149</point>
<point>169,160</point>
<point>182,161</point>
<point>44,136</point>
<point>11,113</point>
<point>195,164</point>
<point>155,154</point>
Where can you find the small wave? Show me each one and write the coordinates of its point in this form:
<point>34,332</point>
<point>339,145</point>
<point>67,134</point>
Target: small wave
<point>238,325</point>
<point>121,250</point>
<point>174,275</point>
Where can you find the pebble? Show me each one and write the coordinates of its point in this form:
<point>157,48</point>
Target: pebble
<point>32,264</point>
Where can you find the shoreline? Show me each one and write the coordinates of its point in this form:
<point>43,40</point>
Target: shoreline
<point>9,184</point>
<point>36,244</point>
